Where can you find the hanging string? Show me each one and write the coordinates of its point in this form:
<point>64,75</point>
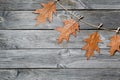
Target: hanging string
<point>87,23</point>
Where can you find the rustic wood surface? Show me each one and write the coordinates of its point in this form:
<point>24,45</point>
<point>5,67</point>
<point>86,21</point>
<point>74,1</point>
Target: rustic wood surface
<point>22,39</point>
<point>56,58</point>
<point>70,4</point>
<point>60,74</point>
<point>26,19</point>
<point>29,52</point>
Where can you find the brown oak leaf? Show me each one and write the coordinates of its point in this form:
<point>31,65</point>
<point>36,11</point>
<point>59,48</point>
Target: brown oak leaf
<point>92,44</point>
<point>46,12</point>
<point>114,44</point>
<point>70,27</point>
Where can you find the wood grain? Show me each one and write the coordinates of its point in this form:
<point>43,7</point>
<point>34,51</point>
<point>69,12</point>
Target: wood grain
<point>26,19</point>
<point>29,52</point>
<point>56,58</point>
<point>23,39</point>
<point>70,4</point>
<point>61,74</point>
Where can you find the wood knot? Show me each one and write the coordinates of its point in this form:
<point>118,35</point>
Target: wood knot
<point>1,19</point>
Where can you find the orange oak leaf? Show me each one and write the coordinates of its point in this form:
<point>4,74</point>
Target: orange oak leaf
<point>46,12</point>
<point>70,27</point>
<point>114,44</point>
<point>92,44</point>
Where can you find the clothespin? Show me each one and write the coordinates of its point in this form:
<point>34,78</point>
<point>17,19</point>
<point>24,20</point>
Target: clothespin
<point>57,0</point>
<point>118,30</point>
<point>100,25</point>
<point>81,17</point>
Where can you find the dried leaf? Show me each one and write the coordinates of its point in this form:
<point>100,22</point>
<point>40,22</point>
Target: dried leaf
<point>46,12</point>
<point>114,44</point>
<point>70,27</point>
<point>92,44</point>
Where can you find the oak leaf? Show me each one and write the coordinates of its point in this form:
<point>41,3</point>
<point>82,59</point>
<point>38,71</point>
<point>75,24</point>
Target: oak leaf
<point>114,44</point>
<point>92,44</point>
<point>70,28</point>
<point>45,13</point>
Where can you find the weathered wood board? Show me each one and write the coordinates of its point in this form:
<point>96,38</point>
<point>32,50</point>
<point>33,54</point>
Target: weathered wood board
<point>56,58</point>
<point>60,74</point>
<point>26,19</point>
<point>23,39</point>
<point>70,4</point>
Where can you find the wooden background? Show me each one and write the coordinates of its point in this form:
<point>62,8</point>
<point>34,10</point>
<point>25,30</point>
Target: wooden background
<point>29,52</point>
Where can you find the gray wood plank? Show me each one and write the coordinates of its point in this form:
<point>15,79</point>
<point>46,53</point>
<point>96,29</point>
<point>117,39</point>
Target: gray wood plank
<point>62,74</point>
<point>26,19</point>
<point>17,39</point>
<point>70,4</point>
<point>56,58</point>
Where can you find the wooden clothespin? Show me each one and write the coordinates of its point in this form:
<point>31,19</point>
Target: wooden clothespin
<point>118,30</point>
<point>100,25</point>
